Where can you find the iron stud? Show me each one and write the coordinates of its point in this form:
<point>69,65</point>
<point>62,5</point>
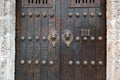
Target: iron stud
<point>77,62</point>
<point>92,14</point>
<point>100,38</point>
<point>77,38</point>
<point>100,63</point>
<point>85,38</point>
<point>22,61</point>
<point>92,62</point>
<point>44,14</point>
<point>51,62</point>
<point>36,62</point>
<point>43,62</point>
<point>37,14</point>
<point>51,15</point>
<point>84,14</point>
<point>23,14</point>
<point>85,62</point>
<point>37,38</point>
<point>30,14</point>
<point>92,38</point>
<point>44,38</point>
<point>77,14</point>
<point>99,14</point>
<point>70,62</point>
<point>29,38</point>
<point>22,38</point>
<point>70,14</point>
<point>29,62</point>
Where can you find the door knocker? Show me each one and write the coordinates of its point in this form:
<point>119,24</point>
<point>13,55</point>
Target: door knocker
<point>53,38</point>
<point>67,37</point>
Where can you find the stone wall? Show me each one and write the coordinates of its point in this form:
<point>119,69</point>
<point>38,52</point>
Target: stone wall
<point>113,40</point>
<point>7,39</point>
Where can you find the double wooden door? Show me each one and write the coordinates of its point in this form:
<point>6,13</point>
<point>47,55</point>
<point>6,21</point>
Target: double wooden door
<point>60,40</point>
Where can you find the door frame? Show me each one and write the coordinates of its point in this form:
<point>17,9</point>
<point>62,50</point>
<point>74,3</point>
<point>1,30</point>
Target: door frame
<point>8,24</point>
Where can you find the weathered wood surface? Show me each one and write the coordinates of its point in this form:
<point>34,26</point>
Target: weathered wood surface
<point>42,50</point>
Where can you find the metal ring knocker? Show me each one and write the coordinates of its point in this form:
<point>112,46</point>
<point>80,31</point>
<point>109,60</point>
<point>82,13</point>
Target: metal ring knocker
<point>53,37</point>
<point>67,37</point>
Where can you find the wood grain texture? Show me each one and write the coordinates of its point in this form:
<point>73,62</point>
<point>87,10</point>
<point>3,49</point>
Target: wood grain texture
<point>82,50</point>
<point>37,47</point>
<point>30,52</point>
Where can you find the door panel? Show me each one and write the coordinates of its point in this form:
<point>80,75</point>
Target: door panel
<point>67,70</point>
<point>61,40</point>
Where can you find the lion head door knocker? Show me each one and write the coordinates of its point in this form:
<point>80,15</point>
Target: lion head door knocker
<point>53,38</point>
<point>67,37</point>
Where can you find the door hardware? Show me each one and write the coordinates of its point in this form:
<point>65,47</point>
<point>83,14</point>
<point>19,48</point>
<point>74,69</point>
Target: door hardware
<point>23,14</point>
<point>51,15</point>
<point>44,14</point>
<point>22,61</point>
<point>36,62</point>
<point>37,14</point>
<point>84,14</point>
<point>67,37</point>
<point>70,14</point>
<point>37,38</point>
<point>53,38</point>
<point>51,63</point>
<point>100,63</point>
<point>22,38</point>
<point>44,38</point>
<point>92,62</point>
<point>92,14</point>
<point>29,62</point>
<point>100,38</point>
<point>30,14</point>
<point>29,38</point>
<point>77,62</point>
<point>85,32</point>
<point>92,38</point>
<point>70,62</point>
<point>77,14</point>
<point>99,14</point>
<point>85,62</point>
<point>43,62</point>
<point>77,38</point>
<point>85,38</point>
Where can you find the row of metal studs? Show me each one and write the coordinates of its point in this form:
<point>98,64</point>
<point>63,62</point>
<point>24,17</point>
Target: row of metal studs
<point>69,14</point>
<point>45,38</point>
<point>70,62</point>
<point>36,62</point>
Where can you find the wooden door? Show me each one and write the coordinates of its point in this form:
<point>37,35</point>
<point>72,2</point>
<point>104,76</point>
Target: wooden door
<point>60,40</point>
<point>83,54</point>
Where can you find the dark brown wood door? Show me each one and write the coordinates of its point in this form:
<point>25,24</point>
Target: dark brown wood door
<point>60,40</point>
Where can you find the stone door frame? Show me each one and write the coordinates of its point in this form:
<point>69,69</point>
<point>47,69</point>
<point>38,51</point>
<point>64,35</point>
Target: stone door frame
<point>7,39</point>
